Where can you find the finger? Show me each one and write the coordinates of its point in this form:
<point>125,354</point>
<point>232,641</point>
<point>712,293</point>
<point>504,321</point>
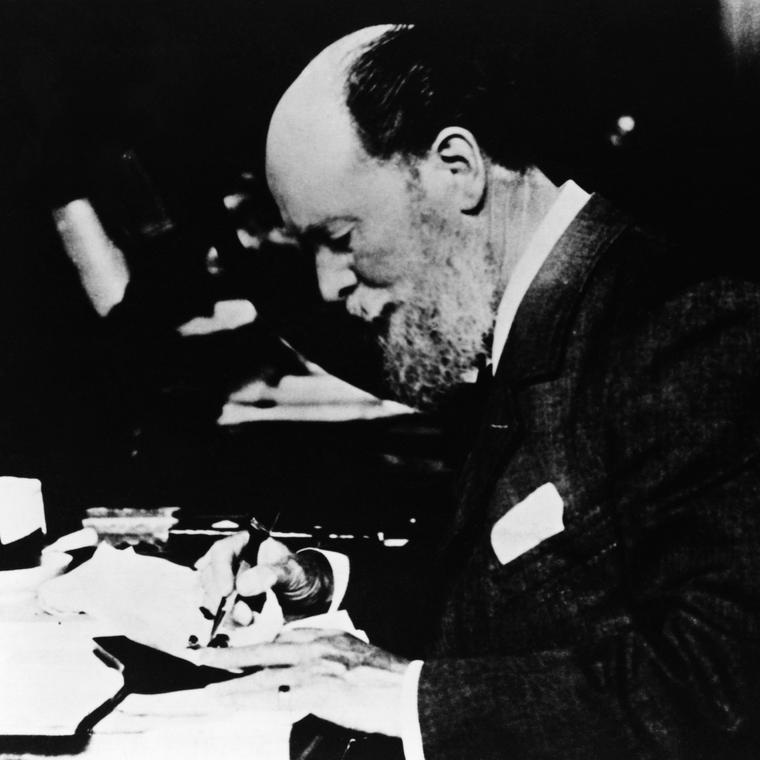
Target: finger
<point>175,704</point>
<point>252,699</point>
<point>272,552</point>
<point>211,593</point>
<point>225,548</point>
<point>217,582</point>
<point>267,695</point>
<point>242,614</point>
<point>339,646</point>
<point>258,655</point>
<point>298,635</point>
<point>270,679</point>
<point>257,580</point>
<point>215,568</point>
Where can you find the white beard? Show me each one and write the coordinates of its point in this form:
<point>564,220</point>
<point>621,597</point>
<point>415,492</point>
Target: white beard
<point>444,313</point>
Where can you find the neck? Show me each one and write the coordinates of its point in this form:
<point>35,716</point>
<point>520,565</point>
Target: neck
<point>516,205</point>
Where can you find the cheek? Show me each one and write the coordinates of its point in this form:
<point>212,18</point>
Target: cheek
<point>384,242</point>
<point>383,259</point>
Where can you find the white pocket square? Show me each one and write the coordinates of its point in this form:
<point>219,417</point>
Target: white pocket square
<point>527,524</point>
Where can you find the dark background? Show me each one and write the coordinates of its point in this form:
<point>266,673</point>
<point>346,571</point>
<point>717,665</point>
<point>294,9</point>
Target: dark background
<point>122,412</point>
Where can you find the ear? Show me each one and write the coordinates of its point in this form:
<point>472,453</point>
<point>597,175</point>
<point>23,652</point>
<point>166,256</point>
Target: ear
<point>459,163</point>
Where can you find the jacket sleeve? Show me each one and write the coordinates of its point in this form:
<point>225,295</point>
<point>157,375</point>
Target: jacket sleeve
<point>676,673</point>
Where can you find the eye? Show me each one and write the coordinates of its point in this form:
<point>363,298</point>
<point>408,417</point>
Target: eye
<point>342,243</point>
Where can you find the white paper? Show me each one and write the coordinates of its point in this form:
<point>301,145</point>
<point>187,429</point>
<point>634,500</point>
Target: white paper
<point>157,603</point>
<point>137,729</point>
<point>148,599</point>
<point>50,679</point>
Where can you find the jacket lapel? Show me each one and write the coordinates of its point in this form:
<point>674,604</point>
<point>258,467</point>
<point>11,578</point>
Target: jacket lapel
<point>534,352</point>
<point>538,338</point>
<point>498,435</point>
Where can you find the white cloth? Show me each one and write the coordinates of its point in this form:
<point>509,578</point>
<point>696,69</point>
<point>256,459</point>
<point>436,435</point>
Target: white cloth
<point>341,571</point>
<point>411,734</point>
<point>571,199</point>
<point>537,517</point>
<point>566,207</point>
<point>21,508</point>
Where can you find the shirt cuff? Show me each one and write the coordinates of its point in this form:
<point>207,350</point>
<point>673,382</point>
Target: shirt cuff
<point>411,735</point>
<point>341,570</point>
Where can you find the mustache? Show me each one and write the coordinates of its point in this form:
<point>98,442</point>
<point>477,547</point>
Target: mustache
<point>381,324</point>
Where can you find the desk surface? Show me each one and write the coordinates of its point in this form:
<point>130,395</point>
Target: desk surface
<point>48,674</point>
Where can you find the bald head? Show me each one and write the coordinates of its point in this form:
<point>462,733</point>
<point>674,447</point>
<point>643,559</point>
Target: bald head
<point>311,135</point>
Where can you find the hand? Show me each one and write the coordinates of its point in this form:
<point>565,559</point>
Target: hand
<point>330,674</point>
<point>295,578</point>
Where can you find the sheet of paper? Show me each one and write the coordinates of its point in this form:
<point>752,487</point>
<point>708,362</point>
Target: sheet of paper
<point>148,599</point>
<point>157,603</point>
<point>49,677</point>
<point>132,730</point>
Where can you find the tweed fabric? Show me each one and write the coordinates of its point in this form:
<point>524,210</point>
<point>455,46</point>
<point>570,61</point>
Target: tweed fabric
<point>630,382</point>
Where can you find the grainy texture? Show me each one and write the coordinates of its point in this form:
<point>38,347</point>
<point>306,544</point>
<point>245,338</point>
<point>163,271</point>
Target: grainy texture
<point>629,382</point>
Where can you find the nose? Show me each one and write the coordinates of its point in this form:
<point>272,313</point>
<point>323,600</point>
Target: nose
<point>335,274</point>
<point>368,303</point>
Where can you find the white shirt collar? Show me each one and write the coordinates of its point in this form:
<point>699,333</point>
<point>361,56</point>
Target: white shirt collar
<point>570,200</point>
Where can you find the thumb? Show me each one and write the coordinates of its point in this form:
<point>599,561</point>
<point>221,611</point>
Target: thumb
<point>258,579</point>
<point>273,552</point>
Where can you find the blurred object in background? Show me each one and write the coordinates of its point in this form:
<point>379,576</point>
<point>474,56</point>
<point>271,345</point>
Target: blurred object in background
<point>227,315</point>
<point>741,25</point>
<point>101,265</point>
<point>316,397</point>
<point>22,522</point>
<point>23,563</point>
<point>130,526</point>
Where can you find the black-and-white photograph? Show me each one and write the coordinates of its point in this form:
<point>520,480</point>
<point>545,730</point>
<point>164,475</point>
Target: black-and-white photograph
<point>380,380</point>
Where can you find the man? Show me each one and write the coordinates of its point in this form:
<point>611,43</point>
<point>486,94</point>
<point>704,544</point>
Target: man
<point>601,581</point>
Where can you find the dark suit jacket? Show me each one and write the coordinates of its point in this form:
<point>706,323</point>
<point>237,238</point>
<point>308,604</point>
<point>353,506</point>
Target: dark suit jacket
<point>630,382</point>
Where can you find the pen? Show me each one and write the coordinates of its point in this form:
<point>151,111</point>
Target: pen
<point>257,533</point>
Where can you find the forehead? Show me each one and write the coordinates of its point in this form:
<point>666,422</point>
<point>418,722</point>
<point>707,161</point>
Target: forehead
<point>318,170</point>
